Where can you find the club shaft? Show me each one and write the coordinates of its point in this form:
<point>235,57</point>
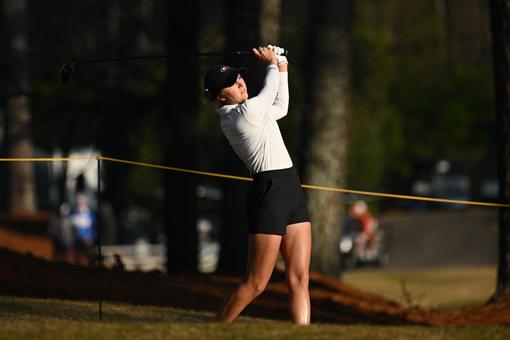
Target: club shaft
<point>68,67</point>
<point>161,56</point>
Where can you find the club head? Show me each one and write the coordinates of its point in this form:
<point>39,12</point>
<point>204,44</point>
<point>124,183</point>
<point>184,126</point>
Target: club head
<point>67,70</point>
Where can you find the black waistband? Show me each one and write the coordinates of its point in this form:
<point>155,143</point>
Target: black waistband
<point>275,173</point>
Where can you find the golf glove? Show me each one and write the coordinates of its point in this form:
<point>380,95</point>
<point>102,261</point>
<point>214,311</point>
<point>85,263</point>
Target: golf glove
<point>276,49</point>
<point>279,51</point>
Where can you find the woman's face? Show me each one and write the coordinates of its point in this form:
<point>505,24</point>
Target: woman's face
<point>235,94</point>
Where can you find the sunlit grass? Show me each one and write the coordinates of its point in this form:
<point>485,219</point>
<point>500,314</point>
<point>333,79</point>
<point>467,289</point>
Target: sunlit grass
<point>27,318</point>
<point>428,287</point>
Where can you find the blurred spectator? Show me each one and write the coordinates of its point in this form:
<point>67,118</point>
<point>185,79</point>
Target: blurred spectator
<point>61,233</point>
<point>83,222</point>
<point>362,218</point>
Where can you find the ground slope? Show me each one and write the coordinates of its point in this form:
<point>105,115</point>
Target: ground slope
<point>332,301</point>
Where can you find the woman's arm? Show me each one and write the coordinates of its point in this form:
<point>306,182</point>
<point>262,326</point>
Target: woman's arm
<point>254,109</point>
<point>281,102</point>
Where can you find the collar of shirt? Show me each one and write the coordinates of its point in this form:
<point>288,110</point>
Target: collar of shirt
<point>222,110</point>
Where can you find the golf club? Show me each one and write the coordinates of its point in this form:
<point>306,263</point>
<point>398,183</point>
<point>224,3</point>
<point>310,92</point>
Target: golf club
<point>68,67</point>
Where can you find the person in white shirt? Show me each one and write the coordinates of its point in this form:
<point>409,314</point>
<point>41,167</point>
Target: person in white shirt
<point>277,212</point>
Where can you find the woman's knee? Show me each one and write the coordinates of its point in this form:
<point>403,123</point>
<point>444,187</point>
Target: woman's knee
<point>297,280</point>
<point>255,286</point>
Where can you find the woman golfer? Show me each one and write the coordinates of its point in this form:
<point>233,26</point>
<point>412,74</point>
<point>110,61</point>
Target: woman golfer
<point>277,213</point>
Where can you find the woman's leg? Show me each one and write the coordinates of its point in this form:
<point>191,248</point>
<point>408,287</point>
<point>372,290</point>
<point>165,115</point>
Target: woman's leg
<point>296,249</point>
<point>262,254</point>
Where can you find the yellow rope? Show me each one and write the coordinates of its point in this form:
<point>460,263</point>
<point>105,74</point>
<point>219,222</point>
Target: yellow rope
<point>196,172</point>
<point>314,187</point>
<point>213,174</point>
<point>417,198</point>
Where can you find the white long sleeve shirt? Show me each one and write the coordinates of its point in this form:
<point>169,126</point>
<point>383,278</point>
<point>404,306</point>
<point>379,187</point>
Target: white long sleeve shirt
<point>252,129</point>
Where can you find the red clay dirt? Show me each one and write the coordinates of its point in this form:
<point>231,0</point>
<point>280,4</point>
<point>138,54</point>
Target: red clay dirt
<point>332,301</point>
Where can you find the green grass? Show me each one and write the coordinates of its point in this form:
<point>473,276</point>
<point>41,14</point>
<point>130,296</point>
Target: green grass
<point>428,287</point>
<point>28,318</point>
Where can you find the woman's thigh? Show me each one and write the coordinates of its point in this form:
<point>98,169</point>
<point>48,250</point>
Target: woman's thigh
<point>262,255</point>
<point>296,248</point>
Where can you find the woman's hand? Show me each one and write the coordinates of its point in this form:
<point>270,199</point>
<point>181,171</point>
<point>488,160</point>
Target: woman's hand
<point>281,59</point>
<point>265,55</point>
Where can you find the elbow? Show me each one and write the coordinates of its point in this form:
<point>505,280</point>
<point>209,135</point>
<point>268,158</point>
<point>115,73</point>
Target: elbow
<point>285,109</point>
<point>281,113</point>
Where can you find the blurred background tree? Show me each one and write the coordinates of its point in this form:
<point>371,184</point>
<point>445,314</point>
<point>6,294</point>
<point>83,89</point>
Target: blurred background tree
<point>256,23</point>
<point>18,115</point>
<point>324,126</point>
<point>242,29</point>
<point>500,19</point>
<point>179,115</point>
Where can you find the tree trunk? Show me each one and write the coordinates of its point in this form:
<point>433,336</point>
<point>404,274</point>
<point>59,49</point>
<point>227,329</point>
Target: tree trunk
<point>444,7</point>
<point>270,21</point>
<point>18,116</point>
<point>115,176</point>
<point>234,229</point>
<point>324,126</point>
<point>145,15</point>
<point>260,26</point>
<point>500,20</point>
<point>179,117</point>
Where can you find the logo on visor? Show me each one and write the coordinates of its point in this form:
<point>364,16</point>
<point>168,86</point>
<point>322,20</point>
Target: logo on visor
<point>224,68</point>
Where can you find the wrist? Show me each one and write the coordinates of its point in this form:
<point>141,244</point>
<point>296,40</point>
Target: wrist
<point>282,60</point>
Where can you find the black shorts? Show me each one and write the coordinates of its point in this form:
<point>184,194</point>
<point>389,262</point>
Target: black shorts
<point>274,201</point>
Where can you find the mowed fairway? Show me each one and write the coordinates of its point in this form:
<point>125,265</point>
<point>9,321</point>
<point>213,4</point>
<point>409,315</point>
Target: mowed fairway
<point>440,287</point>
<point>28,318</point>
